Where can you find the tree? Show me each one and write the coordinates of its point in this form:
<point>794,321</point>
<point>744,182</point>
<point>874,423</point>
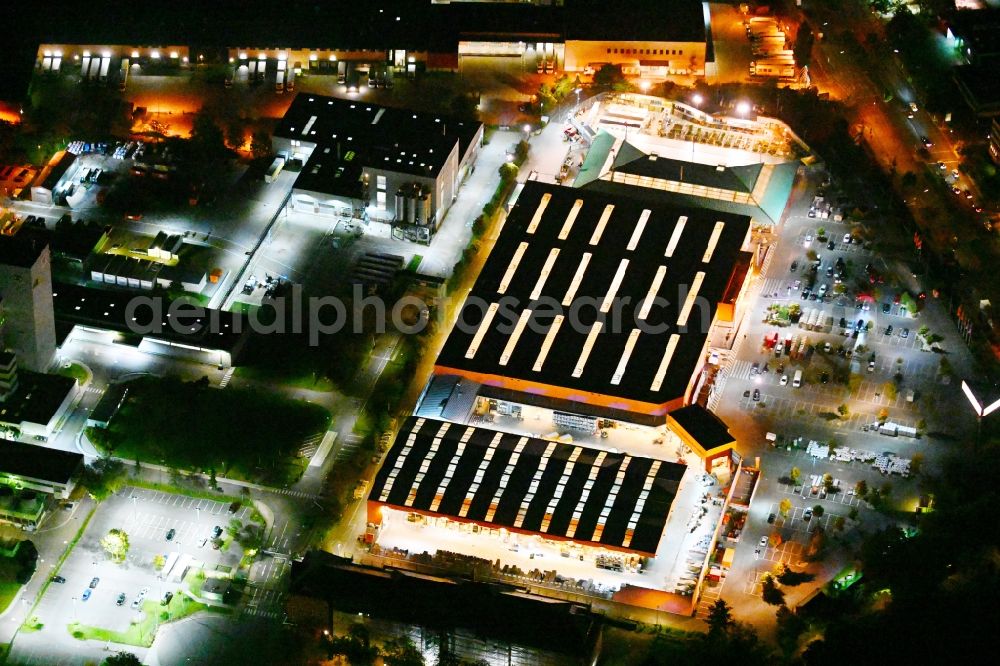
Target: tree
<point>116,544</point>
<point>890,390</point>
<point>720,617</point>
<point>795,474</point>
<point>122,659</point>
<point>784,506</point>
<point>212,483</point>
<point>818,511</point>
<point>816,542</point>
<point>770,591</point>
<point>843,410</point>
<point>790,627</point>
<point>464,107</point>
<point>234,527</point>
<point>916,463</point>
<point>401,651</point>
<point>838,524</point>
<point>909,180</point>
<point>608,76</point>
<point>103,478</point>
<point>159,561</point>
<point>260,145</point>
<point>828,482</point>
<point>791,577</point>
<point>802,49</point>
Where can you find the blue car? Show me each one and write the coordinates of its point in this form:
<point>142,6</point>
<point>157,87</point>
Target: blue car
<point>86,594</point>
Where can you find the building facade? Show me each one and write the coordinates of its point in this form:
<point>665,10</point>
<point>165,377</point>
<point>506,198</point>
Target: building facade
<point>26,293</point>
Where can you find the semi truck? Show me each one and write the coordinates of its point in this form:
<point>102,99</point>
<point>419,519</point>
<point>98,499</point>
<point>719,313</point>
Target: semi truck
<point>272,171</point>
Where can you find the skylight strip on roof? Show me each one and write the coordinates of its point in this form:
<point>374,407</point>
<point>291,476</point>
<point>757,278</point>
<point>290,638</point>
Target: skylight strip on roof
<point>578,511</point>
<point>544,275</point>
<point>616,282</point>
<point>675,237</point>
<point>535,479</point>
<point>664,362</point>
<point>637,233</point>
<point>557,494</point>
<point>637,510</point>
<point>570,219</point>
<point>609,502</point>
<point>483,464</point>
<point>450,473</point>
<point>426,463</point>
<point>522,321</point>
<point>312,121</point>
<point>505,477</point>
<point>484,327</point>
<point>512,267</point>
<point>713,240</point>
<point>577,279</point>
<point>699,277</point>
<point>654,288</point>
<point>629,346</point>
<point>378,116</point>
<point>601,223</point>
<point>550,337</point>
<point>400,459</point>
<point>588,345</point>
<point>537,218</point>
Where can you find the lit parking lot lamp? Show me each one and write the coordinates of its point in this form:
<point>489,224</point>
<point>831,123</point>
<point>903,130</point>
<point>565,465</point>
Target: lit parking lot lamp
<point>980,410</point>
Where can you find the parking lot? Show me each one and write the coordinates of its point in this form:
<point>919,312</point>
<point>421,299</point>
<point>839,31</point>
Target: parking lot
<point>146,516</point>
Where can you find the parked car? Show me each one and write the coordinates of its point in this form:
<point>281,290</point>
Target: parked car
<point>905,333</point>
<point>885,308</point>
<point>807,514</point>
<point>756,395</point>
<point>770,519</point>
<point>827,347</point>
<point>58,579</point>
<point>120,601</point>
<point>94,582</point>
<point>795,266</point>
<point>831,245</point>
<point>171,533</point>
<point>784,380</point>
<point>86,594</point>
<point>166,598</point>
<point>927,142</point>
<point>888,329</point>
<point>763,542</point>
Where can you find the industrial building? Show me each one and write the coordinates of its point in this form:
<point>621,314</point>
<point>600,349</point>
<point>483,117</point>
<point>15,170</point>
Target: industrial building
<point>528,485</point>
<point>54,178</point>
<point>31,403</point>
<point>32,474</point>
<point>27,322</point>
<point>523,336</point>
<point>376,163</point>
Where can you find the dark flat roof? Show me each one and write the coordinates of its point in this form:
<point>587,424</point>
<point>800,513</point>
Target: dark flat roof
<point>351,133</point>
<point>707,428</point>
<point>734,178</point>
<point>566,365</point>
<point>38,462</point>
<point>23,249</point>
<point>542,489</point>
<point>36,399</point>
<point>106,308</point>
<point>979,29</point>
<point>980,84</point>
<point>637,21</point>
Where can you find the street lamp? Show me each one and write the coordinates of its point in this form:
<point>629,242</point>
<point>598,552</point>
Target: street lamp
<point>527,131</point>
<point>645,86</point>
<point>979,409</point>
<point>697,99</point>
<point>743,108</point>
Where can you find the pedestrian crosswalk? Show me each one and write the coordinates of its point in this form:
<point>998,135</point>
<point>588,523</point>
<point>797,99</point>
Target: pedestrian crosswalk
<point>294,493</point>
<point>347,447</point>
<point>227,377</point>
<point>739,370</point>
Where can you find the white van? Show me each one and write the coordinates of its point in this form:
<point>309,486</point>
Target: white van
<point>797,382</point>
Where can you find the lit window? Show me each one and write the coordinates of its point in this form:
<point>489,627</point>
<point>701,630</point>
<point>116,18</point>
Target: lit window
<point>380,199</point>
<point>380,182</point>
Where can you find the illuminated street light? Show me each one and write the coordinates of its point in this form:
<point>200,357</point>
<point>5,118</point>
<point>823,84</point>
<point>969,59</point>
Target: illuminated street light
<point>645,86</point>
<point>697,99</point>
<point>743,108</point>
<point>980,410</point>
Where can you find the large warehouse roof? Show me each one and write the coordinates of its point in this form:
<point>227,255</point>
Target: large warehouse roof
<point>528,484</point>
<point>351,133</point>
<point>563,248</point>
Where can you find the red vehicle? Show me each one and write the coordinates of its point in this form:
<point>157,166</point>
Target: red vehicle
<point>771,340</point>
